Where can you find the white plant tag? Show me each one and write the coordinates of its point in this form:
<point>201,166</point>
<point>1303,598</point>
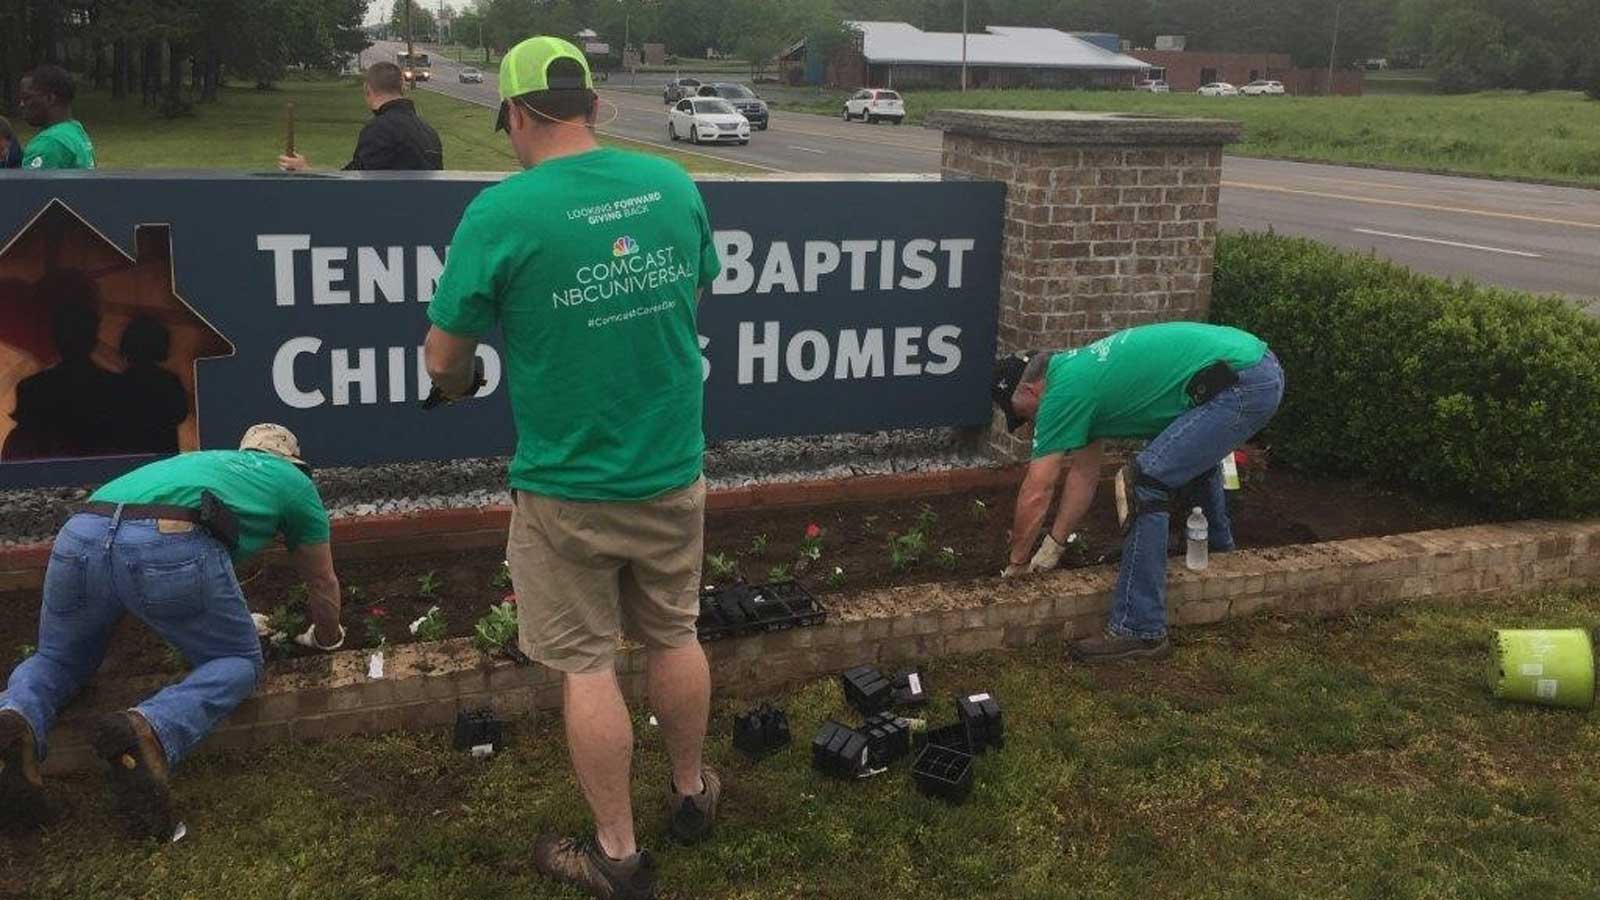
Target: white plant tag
<point>1230,473</point>
<point>482,751</point>
<point>1546,688</point>
<point>179,833</point>
<point>915,681</point>
<point>978,698</point>
<point>375,666</point>
<point>1532,670</point>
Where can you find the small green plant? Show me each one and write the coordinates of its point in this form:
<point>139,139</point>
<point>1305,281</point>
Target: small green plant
<point>758,545</point>
<point>502,578</point>
<point>372,626</point>
<point>979,510</point>
<point>354,595</point>
<point>495,629</point>
<point>287,619</point>
<point>836,577</point>
<point>868,523</point>
<point>926,519</point>
<point>297,594</point>
<point>947,558</point>
<point>906,550</point>
<point>25,650</point>
<point>431,626</point>
<point>779,572</point>
<point>428,585</point>
<point>810,547</point>
<point>722,568</point>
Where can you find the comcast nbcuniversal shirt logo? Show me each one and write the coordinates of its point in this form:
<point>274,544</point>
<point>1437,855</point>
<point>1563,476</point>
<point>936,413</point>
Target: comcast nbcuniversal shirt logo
<point>624,246</point>
<point>631,274</point>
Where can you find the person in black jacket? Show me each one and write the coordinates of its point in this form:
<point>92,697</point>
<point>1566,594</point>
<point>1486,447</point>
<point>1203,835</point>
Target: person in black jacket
<point>395,139</point>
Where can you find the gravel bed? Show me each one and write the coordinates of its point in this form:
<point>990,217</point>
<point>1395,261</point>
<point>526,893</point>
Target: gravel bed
<point>33,516</point>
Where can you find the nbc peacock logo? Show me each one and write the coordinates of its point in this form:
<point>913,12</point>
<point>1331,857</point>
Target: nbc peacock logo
<point>624,246</point>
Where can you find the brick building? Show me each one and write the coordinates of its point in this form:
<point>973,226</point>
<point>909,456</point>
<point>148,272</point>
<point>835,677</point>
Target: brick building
<point>1186,70</point>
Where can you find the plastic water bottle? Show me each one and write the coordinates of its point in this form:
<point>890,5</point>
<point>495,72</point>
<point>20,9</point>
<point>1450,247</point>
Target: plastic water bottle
<point>1199,555</point>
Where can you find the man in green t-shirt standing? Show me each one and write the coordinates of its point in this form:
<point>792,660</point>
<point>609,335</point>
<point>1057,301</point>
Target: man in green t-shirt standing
<point>591,262</point>
<point>1194,391</point>
<point>159,543</point>
<point>46,103</point>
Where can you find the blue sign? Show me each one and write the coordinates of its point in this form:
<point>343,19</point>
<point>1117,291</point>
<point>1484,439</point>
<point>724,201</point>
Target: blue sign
<point>142,314</point>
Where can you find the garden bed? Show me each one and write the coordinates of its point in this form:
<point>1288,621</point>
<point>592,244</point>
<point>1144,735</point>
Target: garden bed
<point>858,546</point>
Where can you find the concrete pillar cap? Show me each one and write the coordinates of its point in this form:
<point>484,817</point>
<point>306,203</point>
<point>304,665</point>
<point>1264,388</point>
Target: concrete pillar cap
<point>1084,128</point>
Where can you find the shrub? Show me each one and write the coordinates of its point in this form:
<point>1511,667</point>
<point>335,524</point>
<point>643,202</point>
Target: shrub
<point>1481,395</point>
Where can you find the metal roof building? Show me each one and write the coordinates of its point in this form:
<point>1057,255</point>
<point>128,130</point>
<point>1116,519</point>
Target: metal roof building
<point>896,54</point>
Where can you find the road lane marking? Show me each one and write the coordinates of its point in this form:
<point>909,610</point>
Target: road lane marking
<point>808,150</point>
<point>1407,204</point>
<point>1428,240</point>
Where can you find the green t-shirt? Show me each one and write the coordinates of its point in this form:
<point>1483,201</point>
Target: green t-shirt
<point>591,265</point>
<point>1132,384</point>
<point>64,145</point>
<point>268,494</point>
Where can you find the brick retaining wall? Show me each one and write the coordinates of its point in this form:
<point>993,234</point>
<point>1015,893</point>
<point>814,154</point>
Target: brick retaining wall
<point>427,684</point>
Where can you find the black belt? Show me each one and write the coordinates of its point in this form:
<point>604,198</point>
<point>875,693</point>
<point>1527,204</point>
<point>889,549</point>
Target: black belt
<point>213,515</point>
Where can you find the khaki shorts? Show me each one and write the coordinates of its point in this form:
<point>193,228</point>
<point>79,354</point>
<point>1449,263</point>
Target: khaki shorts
<point>587,573</point>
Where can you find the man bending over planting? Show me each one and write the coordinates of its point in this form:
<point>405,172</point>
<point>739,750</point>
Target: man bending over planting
<point>159,543</point>
<point>1194,391</point>
<point>591,262</point>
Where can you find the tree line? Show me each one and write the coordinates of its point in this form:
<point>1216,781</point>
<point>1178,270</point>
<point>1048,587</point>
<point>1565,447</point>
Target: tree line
<point>169,52</point>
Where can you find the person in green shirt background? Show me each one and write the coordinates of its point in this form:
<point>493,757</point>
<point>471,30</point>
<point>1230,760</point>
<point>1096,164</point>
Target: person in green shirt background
<point>591,263</point>
<point>1194,391</point>
<point>46,104</point>
<point>159,544</point>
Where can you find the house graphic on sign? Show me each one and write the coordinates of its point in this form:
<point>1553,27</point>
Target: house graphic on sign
<point>97,348</point>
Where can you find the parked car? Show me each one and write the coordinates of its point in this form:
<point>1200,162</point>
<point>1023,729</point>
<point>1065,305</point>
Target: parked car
<point>872,106</point>
<point>1218,89</point>
<point>679,88</point>
<point>707,120</point>
<point>469,75</point>
<point>743,99</point>
<point>1154,86</point>
<point>1261,88</point>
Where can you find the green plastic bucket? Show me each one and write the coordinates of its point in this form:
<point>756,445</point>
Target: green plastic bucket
<point>1552,668</point>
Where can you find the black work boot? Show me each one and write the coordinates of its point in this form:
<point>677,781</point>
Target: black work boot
<point>1114,647</point>
<point>136,775</point>
<point>691,816</point>
<point>22,803</point>
<point>582,864</point>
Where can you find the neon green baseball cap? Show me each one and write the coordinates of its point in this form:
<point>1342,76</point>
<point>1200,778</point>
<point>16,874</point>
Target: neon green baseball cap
<point>526,69</point>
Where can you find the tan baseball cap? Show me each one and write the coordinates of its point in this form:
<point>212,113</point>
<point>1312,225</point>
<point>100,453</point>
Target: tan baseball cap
<point>275,439</point>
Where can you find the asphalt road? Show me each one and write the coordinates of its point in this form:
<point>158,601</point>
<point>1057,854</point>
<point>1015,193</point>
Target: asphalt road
<point>1526,236</point>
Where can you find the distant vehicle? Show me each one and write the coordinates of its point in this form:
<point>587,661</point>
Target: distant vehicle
<point>1154,86</point>
<point>416,67</point>
<point>1218,89</point>
<point>707,120</point>
<point>1263,89</point>
<point>470,75</point>
<point>873,106</point>
<point>679,88</point>
<point>743,99</point>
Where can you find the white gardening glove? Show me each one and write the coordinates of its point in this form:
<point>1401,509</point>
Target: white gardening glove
<point>262,628</point>
<point>309,640</point>
<point>1013,571</point>
<point>1048,557</point>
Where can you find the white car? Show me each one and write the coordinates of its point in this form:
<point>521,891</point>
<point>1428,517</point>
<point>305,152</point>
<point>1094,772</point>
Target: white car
<point>470,75</point>
<point>874,106</point>
<point>1262,89</point>
<point>1154,86</point>
<point>707,120</point>
<point>1218,89</point>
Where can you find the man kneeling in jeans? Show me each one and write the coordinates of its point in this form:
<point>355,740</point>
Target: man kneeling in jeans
<point>159,543</point>
<point>1194,391</point>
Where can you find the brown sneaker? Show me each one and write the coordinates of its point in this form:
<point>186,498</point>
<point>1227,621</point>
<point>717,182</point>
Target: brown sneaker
<point>692,816</point>
<point>1114,648</point>
<point>137,775</point>
<point>581,864</point>
<point>22,801</point>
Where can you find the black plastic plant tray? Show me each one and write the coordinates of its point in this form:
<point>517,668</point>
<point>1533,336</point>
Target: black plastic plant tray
<point>953,737</point>
<point>943,772</point>
<point>981,718</point>
<point>747,609</point>
<point>839,750</point>
<point>888,738</point>
<point>867,690</point>
<point>761,731</point>
<point>477,727</point>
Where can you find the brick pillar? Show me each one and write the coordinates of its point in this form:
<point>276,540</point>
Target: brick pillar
<point>1111,220</point>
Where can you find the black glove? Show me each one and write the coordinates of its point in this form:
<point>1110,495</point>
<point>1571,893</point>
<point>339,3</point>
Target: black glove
<point>436,397</point>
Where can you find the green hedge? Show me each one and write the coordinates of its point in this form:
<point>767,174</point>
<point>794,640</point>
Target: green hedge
<point>1477,394</point>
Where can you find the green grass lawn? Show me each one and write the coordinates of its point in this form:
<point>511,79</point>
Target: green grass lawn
<point>1549,136</point>
<point>244,130</point>
<point>1353,757</point>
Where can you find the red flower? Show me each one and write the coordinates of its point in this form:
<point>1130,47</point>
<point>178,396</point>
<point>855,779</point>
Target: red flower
<point>377,612</point>
<point>511,599</point>
<point>813,531</point>
<point>1240,458</point>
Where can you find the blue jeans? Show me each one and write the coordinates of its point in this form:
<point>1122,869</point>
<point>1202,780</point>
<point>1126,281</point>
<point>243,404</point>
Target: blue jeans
<point>181,585</point>
<point>1190,448</point>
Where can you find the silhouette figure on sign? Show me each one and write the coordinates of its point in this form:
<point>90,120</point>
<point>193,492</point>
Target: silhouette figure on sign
<point>153,401</point>
<point>69,409</point>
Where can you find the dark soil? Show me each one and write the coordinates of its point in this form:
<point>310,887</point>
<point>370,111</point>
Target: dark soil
<point>962,536</point>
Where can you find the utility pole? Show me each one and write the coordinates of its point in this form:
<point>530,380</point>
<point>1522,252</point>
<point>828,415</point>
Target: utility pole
<point>1334,50</point>
<point>963,46</point>
<point>411,59</point>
